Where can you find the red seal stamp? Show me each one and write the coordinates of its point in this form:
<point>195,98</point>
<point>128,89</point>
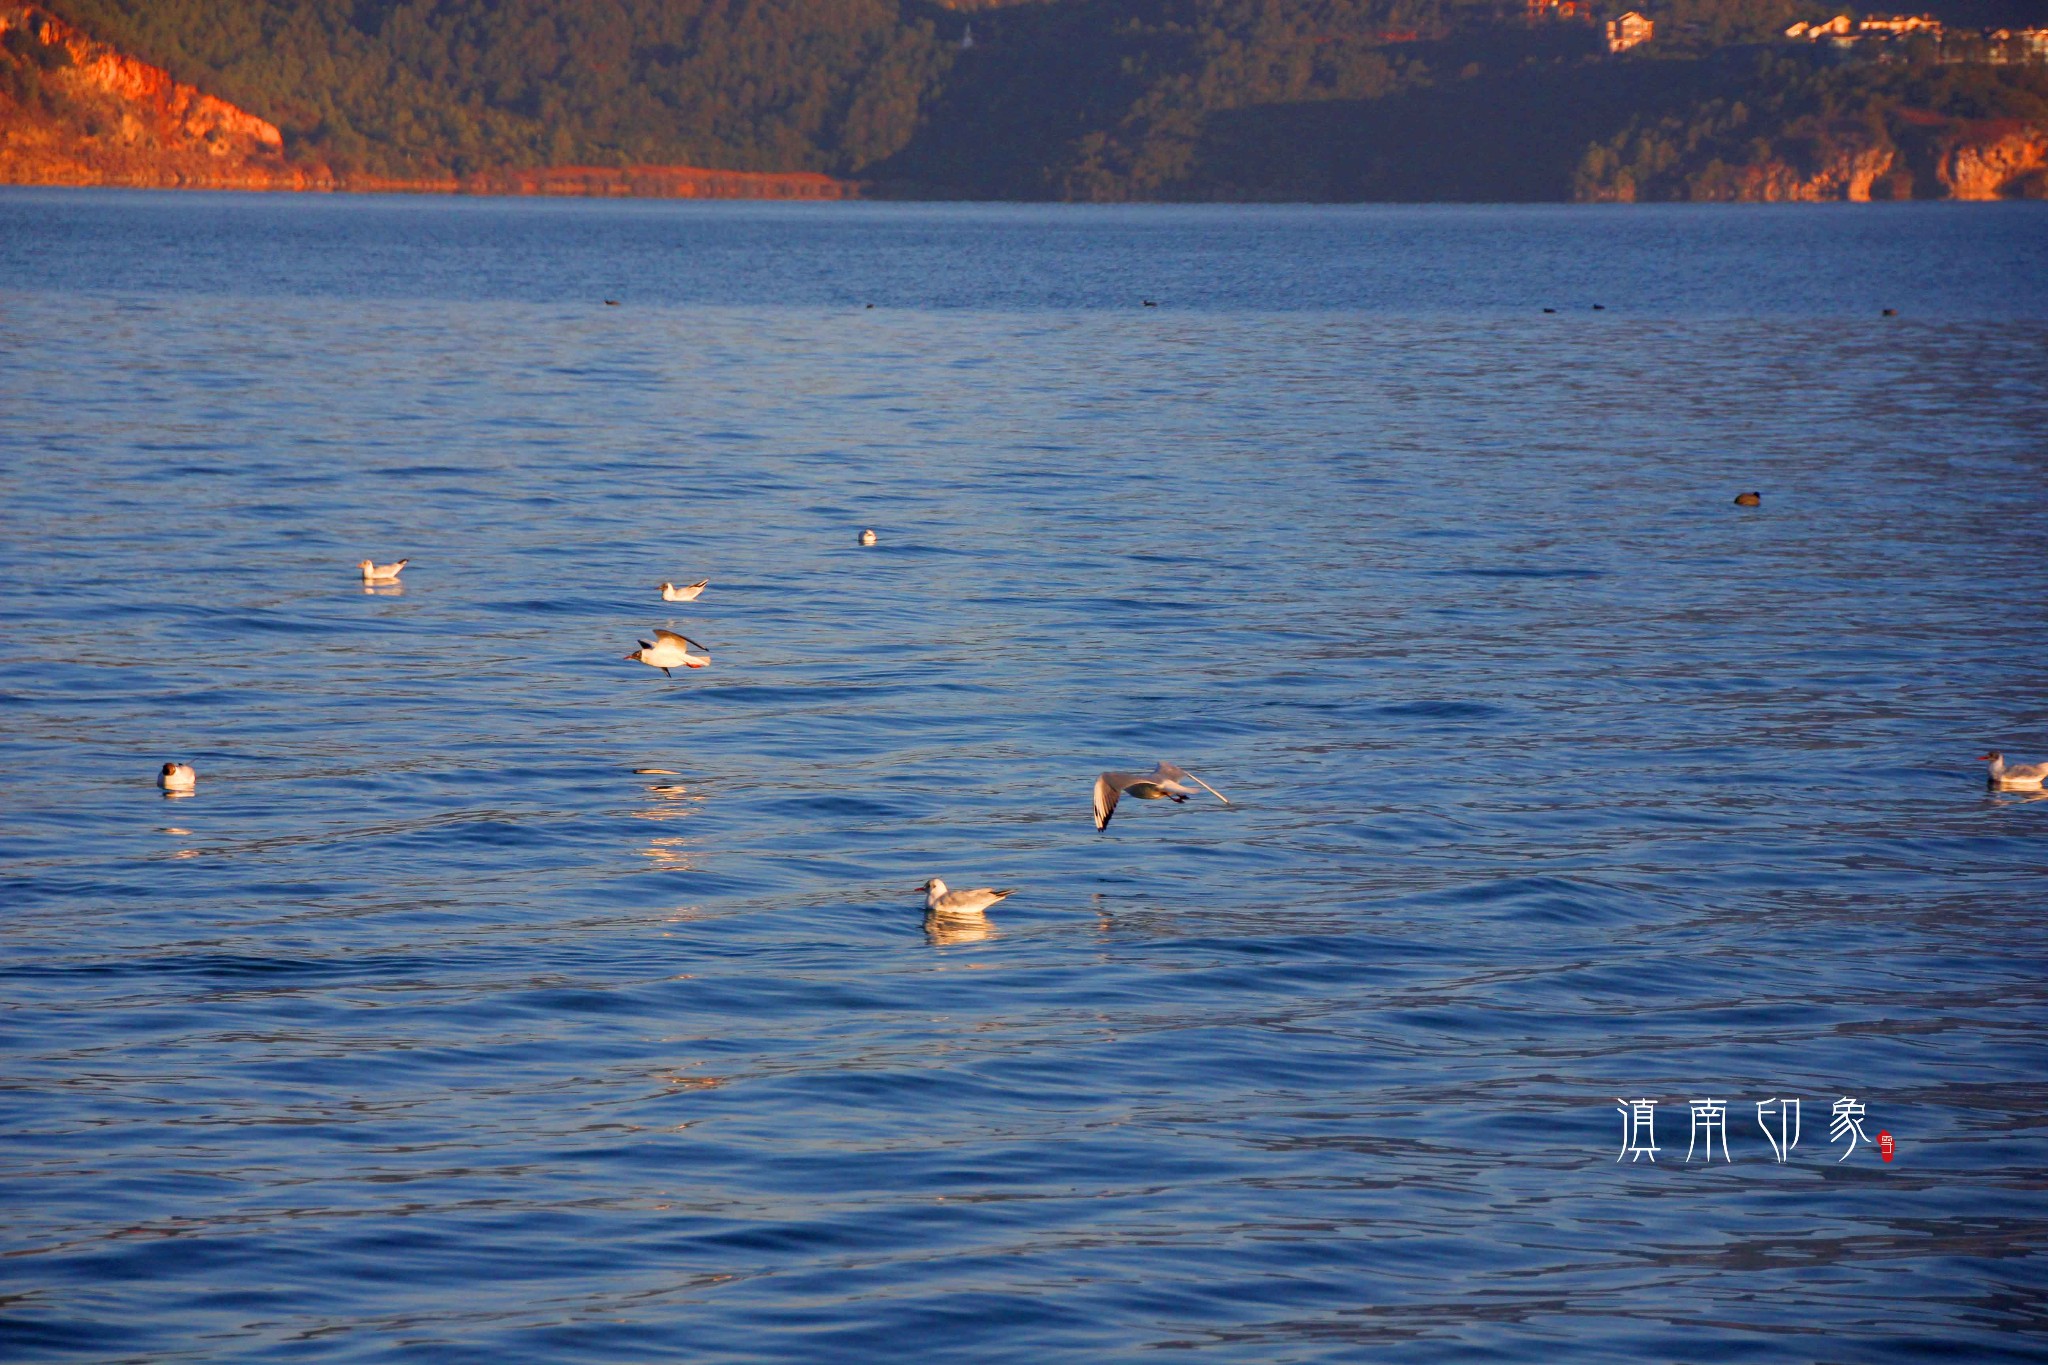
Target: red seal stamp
<point>1885,1145</point>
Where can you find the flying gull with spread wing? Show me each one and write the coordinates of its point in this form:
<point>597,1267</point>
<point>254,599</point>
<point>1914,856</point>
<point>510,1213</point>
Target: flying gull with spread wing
<point>1166,781</point>
<point>669,650</point>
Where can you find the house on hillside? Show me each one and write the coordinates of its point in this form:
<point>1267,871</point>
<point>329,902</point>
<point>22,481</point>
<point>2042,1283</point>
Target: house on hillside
<point>1891,37</point>
<point>1630,30</point>
<point>1841,26</point>
<point>2016,46</point>
<point>1874,38</point>
<point>1900,25</point>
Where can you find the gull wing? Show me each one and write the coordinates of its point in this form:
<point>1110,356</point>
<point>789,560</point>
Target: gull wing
<point>661,634</point>
<point>968,902</point>
<point>700,583</point>
<point>1108,787</point>
<point>1173,772</point>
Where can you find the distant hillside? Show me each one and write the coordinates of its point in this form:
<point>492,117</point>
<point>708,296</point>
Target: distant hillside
<point>1092,99</point>
<point>433,87</point>
<point>78,111</point>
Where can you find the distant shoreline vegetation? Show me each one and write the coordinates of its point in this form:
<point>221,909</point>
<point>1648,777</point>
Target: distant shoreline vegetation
<point>1087,100</point>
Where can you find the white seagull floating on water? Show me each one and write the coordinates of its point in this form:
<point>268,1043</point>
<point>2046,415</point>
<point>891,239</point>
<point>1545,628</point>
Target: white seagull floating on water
<point>374,572</point>
<point>960,904</point>
<point>670,650</point>
<point>687,593</point>
<point>867,537</point>
<point>1163,781</point>
<point>177,777</point>
<point>2028,777</point>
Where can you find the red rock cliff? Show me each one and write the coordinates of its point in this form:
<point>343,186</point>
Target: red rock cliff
<point>1994,161</point>
<point>78,112</point>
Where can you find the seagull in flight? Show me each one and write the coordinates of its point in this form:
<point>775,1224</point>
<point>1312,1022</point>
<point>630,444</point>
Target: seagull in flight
<point>1163,781</point>
<point>670,650</point>
<point>960,904</point>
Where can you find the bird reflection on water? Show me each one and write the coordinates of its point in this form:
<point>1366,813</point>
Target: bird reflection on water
<point>669,854</point>
<point>672,800</point>
<point>951,931</point>
<point>676,1081</point>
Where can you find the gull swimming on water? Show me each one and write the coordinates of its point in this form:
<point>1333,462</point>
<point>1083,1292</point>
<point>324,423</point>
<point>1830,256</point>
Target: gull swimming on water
<point>960,904</point>
<point>687,593</point>
<point>2028,777</point>
<point>1163,781</point>
<point>867,537</point>
<point>177,777</point>
<point>670,650</point>
<point>374,572</point>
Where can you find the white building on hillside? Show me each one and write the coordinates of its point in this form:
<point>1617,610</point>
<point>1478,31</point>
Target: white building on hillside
<point>1628,31</point>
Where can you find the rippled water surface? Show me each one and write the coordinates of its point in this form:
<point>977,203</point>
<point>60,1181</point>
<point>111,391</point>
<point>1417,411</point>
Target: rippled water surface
<point>431,1028</point>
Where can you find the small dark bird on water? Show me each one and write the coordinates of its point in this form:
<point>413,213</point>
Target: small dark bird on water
<point>611,303</point>
<point>1749,499</point>
<point>1550,310</point>
<point>1599,307</point>
<point>1891,312</point>
<point>1150,304</point>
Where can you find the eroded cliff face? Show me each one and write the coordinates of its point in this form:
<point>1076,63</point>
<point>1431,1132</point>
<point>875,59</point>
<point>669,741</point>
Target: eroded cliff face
<point>1909,154</point>
<point>1818,167</point>
<point>75,111</point>
<point>1993,161</point>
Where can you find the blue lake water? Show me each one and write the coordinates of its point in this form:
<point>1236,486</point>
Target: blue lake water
<point>428,1028</point>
